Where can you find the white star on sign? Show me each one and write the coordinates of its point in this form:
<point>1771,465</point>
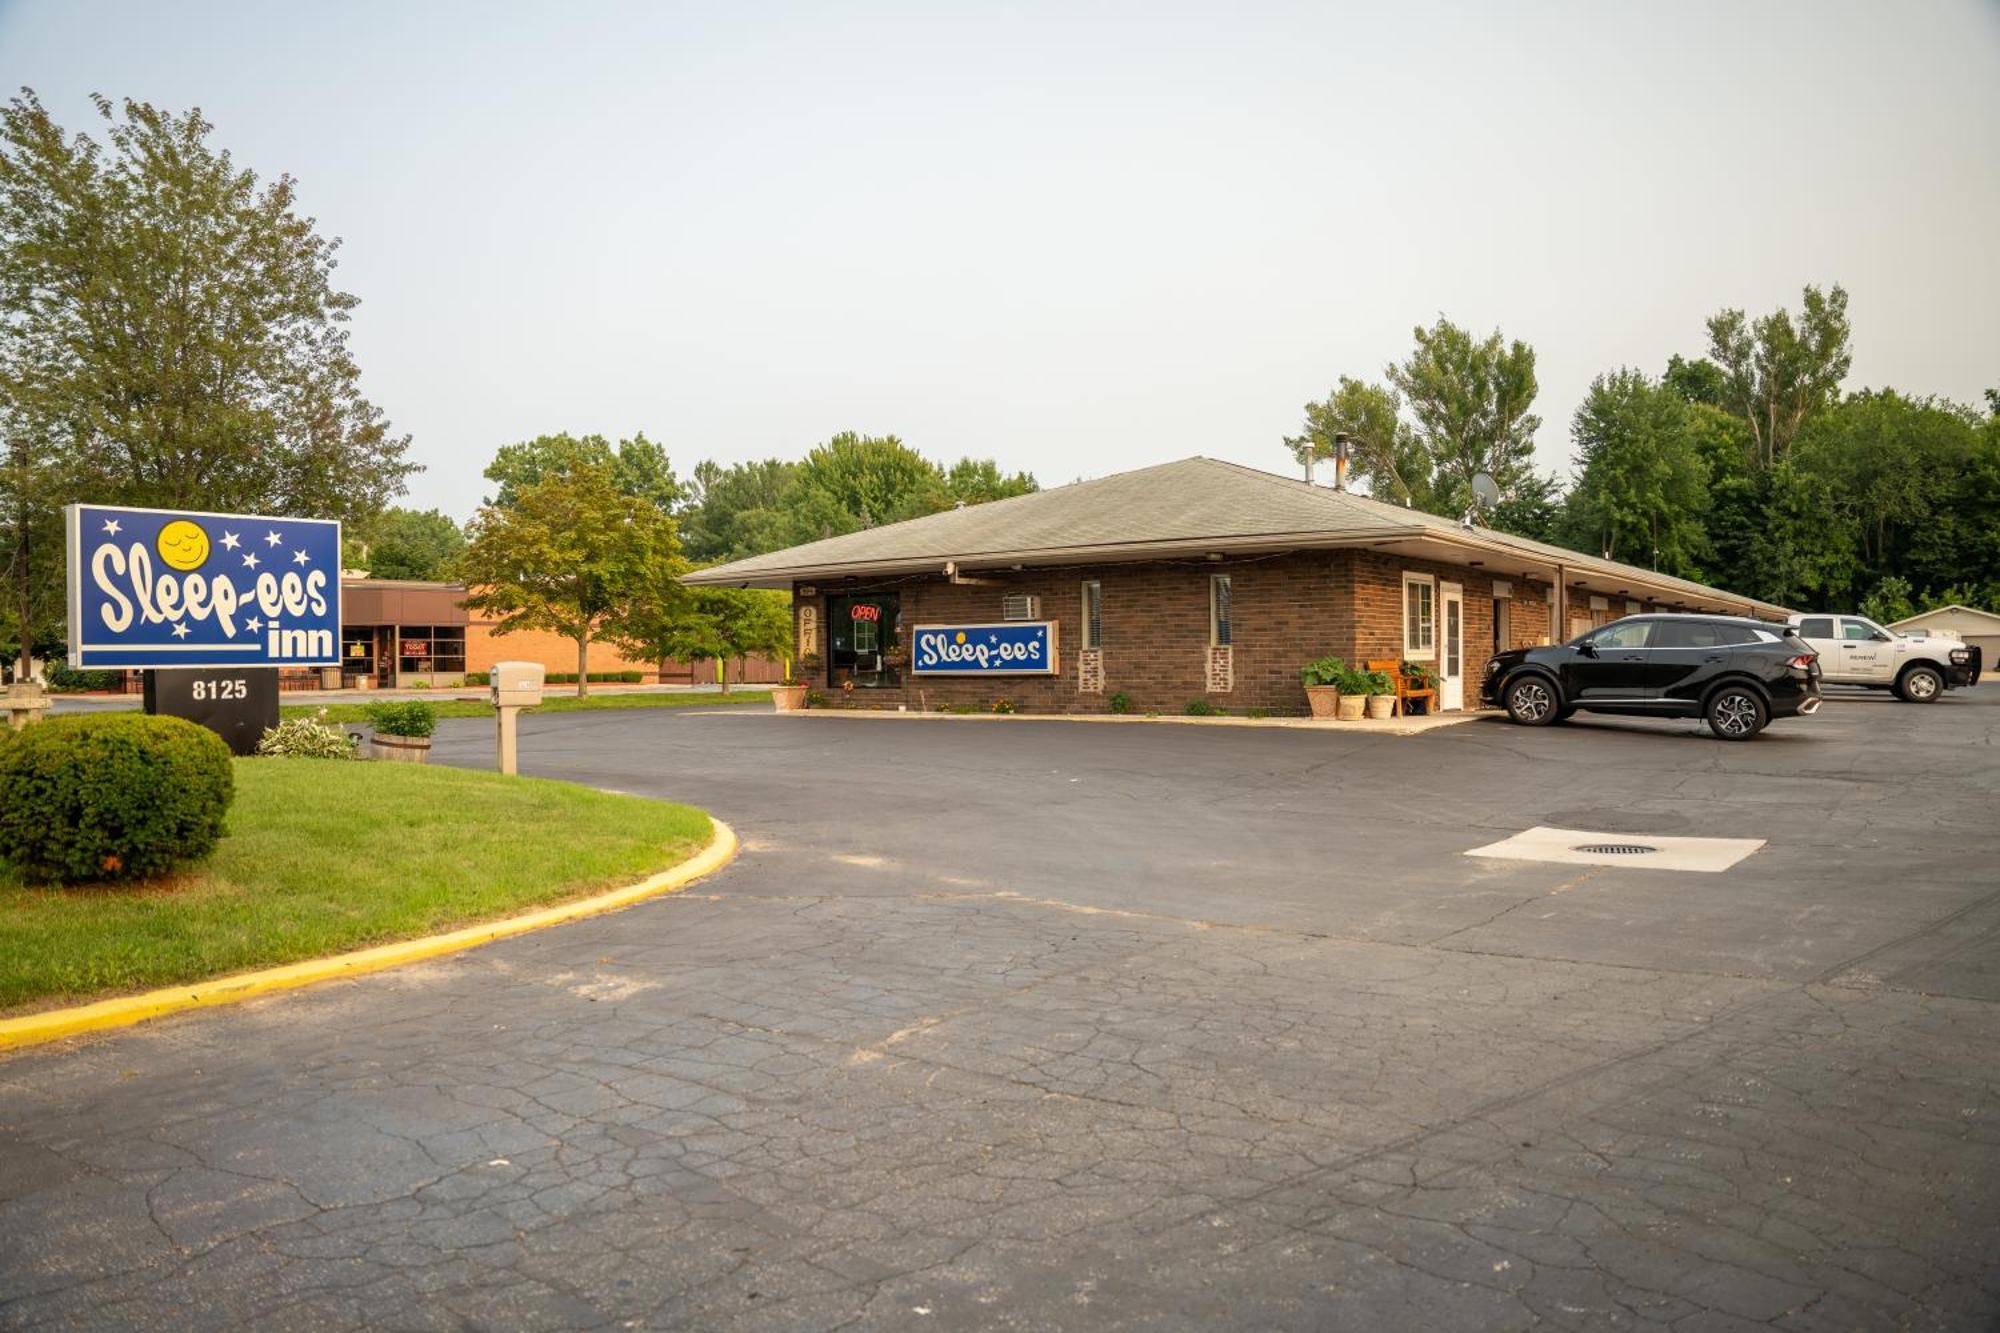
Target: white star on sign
<point>180,630</point>
<point>111,526</point>
<point>300,557</point>
<point>250,561</point>
<point>272,538</point>
<point>229,540</point>
<point>253,624</point>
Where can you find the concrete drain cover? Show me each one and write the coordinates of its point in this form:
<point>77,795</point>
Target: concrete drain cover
<point>1588,847</point>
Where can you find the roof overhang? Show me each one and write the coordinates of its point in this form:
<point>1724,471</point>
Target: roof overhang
<point>1493,554</point>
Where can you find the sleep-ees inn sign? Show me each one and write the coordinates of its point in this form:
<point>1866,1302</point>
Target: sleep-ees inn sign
<point>183,588</point>
<point>1013,648</point>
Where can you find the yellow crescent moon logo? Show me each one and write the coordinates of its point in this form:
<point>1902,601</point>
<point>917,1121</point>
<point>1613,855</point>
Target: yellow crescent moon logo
<point>182,544</point>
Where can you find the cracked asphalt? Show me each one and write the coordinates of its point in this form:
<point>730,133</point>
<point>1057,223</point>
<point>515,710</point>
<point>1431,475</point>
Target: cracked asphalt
<point>1023,1025</point>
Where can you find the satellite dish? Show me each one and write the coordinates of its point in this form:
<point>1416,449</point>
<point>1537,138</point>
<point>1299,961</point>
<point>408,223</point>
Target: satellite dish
<point>1484,489</point>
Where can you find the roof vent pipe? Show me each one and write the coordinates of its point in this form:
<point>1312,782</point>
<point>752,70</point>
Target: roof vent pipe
<point>1340,460</point>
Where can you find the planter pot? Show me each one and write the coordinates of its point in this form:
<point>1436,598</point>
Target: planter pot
<point>1381,705</point>
<point>402,749</point>
<point>1351,706</point>
<point>1323,699</point>
<point>788,698</point>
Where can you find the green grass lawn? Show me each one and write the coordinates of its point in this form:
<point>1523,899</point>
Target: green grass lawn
<point>323,856</point>
<point>551,703</point>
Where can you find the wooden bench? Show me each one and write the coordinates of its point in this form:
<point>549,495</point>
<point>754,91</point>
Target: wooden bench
<point>1406,686</point>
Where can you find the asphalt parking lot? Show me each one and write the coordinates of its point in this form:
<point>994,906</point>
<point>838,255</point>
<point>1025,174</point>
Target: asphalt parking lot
<point>1031,1024</point>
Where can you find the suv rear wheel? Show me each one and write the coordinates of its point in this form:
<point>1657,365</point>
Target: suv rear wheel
<point>1531,701</point>
<point>1920,685</point>
<point>1736,713</point>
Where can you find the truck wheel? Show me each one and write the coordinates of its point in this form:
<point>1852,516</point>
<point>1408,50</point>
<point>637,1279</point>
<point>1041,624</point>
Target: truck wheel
<point>1531,701</point>
<point>1735,713</point>
<point>1920,685</point>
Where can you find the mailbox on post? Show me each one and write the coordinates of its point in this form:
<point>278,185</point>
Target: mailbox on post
<point>516,685</point>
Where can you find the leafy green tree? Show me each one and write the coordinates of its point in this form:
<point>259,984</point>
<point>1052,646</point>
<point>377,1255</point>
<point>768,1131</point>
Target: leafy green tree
<point>1801,553</point>
<point>736,511</point>
<point>704,623</point>
<point>1890,602</point>
<point>572,554</point>
<point>1531,508</point>
<point>854,481</point>
<point>1383,451</point>
<point>638,466</point>
<point>169,335</point>
<point>1642,485</point>
<point>1697,381</point>
<point>974,481</point>
<point>1909,474</point>
<point>403,543</point>
<point>1778,374</point>
<point>1470,399</point>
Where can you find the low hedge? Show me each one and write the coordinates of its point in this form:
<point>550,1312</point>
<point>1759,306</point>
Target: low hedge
<point>596,678</point>
<point>121,796</point>
<point>65,679</point>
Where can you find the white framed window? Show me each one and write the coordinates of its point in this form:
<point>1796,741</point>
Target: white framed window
<point>1218,610</point>
<point>1093,614</point>
<point>1419,617</point>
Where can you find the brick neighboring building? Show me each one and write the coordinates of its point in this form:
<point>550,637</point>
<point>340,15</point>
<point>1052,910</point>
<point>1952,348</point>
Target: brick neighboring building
<point>1191,580</point>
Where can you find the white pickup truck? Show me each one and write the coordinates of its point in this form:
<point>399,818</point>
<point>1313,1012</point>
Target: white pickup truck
<point>1854,650</point>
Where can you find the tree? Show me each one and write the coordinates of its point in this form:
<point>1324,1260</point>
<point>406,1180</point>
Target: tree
<point>1383,451</point>
<point>855,481</point>
<point>719,623</point>
<point>1778,374</point>
<point>1697,381</point>
<point>972,481</point>
<point>1469,400</point>
<point>404,544</point>
<point>738,511</point>
<point>1907,473</point>
<point>1642,485</point>
<point>169,335</point>
<point>1890,602</point>
<point>574,555</point>
<point>638,466</point>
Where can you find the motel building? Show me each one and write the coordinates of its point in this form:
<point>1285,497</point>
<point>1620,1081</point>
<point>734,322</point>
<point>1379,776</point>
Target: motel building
<point>1192,580</point>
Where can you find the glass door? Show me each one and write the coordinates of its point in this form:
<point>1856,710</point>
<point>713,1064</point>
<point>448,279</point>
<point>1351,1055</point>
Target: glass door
<point>864,641</point>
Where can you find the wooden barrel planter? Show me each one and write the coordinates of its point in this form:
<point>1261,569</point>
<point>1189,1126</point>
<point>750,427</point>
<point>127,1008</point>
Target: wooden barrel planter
<point>402,749</point>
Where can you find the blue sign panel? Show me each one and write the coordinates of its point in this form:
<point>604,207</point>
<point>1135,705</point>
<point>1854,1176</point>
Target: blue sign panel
<point>1014,648</point>
<point>181,588</point>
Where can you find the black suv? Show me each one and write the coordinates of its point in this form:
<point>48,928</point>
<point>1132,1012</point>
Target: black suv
<point>1738,674</point>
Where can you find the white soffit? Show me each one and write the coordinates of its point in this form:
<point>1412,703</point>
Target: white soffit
<point>1567,846</point>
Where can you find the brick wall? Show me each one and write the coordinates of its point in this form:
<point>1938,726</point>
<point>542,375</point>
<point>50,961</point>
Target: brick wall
<point>483,648</point>
<point>1285,611</point>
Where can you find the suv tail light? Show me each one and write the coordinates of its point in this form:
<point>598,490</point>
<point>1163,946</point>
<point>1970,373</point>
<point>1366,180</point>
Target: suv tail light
<point>1802,661</point>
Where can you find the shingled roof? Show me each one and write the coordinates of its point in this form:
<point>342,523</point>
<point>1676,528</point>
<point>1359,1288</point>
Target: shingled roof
<point>1194,505</point>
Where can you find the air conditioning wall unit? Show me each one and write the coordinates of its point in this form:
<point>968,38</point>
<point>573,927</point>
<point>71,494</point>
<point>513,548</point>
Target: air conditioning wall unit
<point>1020,606</point>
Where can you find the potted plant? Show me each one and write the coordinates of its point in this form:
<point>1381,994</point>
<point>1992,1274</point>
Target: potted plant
<point>402,730</point>
<point>1421,677</point>
<point>1322,681</point>
<point>795,695</point>
<point>1381,694</point>
<point>1353,686</point>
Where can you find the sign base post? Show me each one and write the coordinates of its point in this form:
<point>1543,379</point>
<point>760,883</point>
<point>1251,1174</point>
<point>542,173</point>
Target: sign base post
<point>508,717</point>
<point>237,705</point>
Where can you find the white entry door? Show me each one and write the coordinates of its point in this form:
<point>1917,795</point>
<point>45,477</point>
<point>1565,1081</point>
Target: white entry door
<point>1451,648</point>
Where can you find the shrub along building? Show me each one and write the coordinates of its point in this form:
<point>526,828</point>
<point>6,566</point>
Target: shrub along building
<point>1193,580</point>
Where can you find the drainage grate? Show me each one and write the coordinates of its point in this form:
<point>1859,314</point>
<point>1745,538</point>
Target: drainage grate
<point>1614,849</point>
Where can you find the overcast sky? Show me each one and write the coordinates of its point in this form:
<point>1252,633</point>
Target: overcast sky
<point>1073,237</point>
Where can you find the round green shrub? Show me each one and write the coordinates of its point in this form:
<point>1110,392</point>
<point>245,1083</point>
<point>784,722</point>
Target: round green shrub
<point>120,796</point>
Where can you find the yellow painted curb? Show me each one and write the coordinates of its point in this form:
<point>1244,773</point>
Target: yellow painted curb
<point>53,1024</point>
